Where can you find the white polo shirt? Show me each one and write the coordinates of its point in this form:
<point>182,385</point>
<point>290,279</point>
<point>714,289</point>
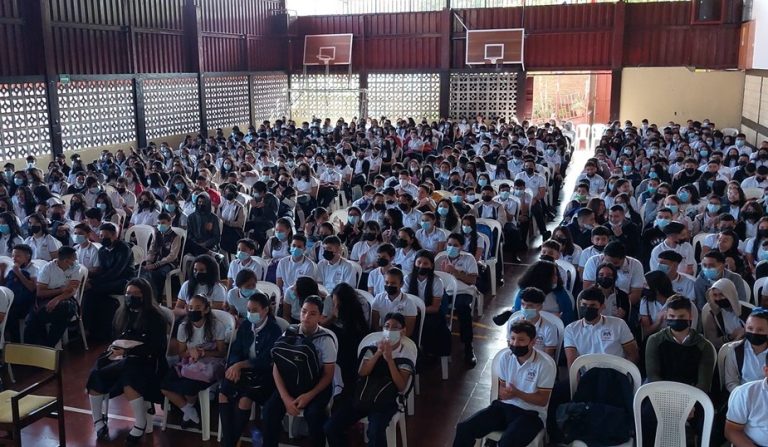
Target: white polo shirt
<point>683,285</point>
<point>748,406</point>
<point>290,270</point>
<point>685,250</point>
<point>596,183</point>
<point>586,254</point>
<point>237,265</point>
<point>401,304</point>
<point>42,246</point>
<point>467,264</point>
<point>546,332</point>
<point>533,182</point>
<point>751,369</point>
<point>412,219</point>
<point>376,281</point>
<point>331,274</point>
<point>536,373</point>
<point>630,275</point>
<point>217,295</point>
<point>54,277</point>
<point>430,240</point>
<point>608,336</point>
<point>438,289</point>
<point>402,352</point>
<point>405,260</point>
<point>365,252</point>
<point>88,256</point>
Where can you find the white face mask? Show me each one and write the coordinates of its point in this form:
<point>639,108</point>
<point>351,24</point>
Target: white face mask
<point>392,336</point>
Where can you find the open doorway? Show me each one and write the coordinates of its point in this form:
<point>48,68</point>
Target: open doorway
<point>578,97</point>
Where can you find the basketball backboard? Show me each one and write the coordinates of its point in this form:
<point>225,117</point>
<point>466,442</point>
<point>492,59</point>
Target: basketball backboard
<point>494,46</point>
<point>328,49</point>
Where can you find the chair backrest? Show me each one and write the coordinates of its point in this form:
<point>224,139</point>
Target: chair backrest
<point>368,299</point>
<point>422,311</point>
<point>586,362</point>
<point>272,291</point>
<point>182,233</point>
<point>358,273</point>
<point>32,355</point>
<point>747,290</point>
<point>65,199</point>
<point>721,355</point>
<point>449,284</point>
<point>753,193</point>
<point>264,266</point>
<point>570,273</point>
<point>495,234</point>
<point>495,365</point>
<point>757,289</point>
<point>228,320</point>
<point>6,260</point>
<point>338,218</point>
<point>749,306</point>
<point>143,235</point>
<point>83,278</point>
<point>6,300</point>
<point>138,254</point>
<point>282,323</point>
<point>697,241</point>
<point>672,402</point>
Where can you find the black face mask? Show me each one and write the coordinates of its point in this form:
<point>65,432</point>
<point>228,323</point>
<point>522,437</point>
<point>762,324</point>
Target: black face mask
<point>381,262</point>
<point>379,207</point>
<point>589,313</point>
<point>401,243</point>
<point>690,171</point>
<point>519,351</point>
<point>404,207</point>
<point>678,325</point>
<point>547,258</point>
<point>327,255</point>
<point>762,233</point>
<point>606,282</point>
<point>487,198</point>
<point>756,339</point>
<point>529,171</point>
<point>106,242</point>
<point>599,248</point>
<point>34,229</point>
<point>195,315</point>
<point>369,236</point>
<point>200,276</point>
<point>391,290</point>
<point>724,304</point>
<point>133,302</point>
<point>423,271</point>
<point>230,196</point>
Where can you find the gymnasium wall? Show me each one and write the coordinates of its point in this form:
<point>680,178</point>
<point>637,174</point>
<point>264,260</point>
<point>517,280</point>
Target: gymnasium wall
<point>754,114</point>
<point>664,94</point>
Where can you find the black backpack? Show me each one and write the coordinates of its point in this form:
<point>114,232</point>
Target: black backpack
<point>377,391</point>
<point>601,411</point>
<point>296,359</point>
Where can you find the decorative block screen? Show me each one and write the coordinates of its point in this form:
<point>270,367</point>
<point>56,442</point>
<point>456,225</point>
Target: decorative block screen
<point>171,107</point>
<point>332,96</point>
<point>270,97</point>
<point>226,101</point>
<point>23,120</point>
<point>96,113</point>
<point>414,95</point>
<point>492,94</point>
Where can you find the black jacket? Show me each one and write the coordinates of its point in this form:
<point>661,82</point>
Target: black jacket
<point>265,339</point>
<point>116,263</point>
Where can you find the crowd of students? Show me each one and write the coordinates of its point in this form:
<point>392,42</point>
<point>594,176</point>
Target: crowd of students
<point>257,206</point>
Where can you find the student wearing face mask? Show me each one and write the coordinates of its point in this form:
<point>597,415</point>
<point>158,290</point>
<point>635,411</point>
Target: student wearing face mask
<point>531,307</point>
<point>747,413</point>
<point>248,377</point>
<point>232,214</point>
<point>721,317</point>
<point>677,353</point>
<point>745,360</point>
<point>675,232</point>
<point>164,254</point>
<point>713,268</point>
<point>201,337</point>
<point>526,379</point>
<point>388,361</point>
<point>135,373</point>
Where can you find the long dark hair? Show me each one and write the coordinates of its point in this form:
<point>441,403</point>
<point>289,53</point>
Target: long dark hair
<point>211,276</point>
<point>351,314</point>
<point>13,224</point>
<point>452,219</point>
<point>149,306</point>
<point>539,275</point>
<point>207,325</point>
<point>413,279</point>
<point>472,236</point>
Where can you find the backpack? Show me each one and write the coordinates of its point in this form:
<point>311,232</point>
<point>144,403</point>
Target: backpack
<point>377,391</point>
<point>295,357</point>
<point>601,411</point>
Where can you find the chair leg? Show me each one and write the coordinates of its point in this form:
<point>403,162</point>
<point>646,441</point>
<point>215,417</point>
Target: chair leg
<point>411,404</point>
<point>166,409</point>
<point>205,412</point>
<point>62,426</point>
<point>403,431</point>
<point>253,412</point>
<point>218,432</point>
<point>291,420</point>
<point>444,367</point>
<point>150,419</point>
<point>82,333</point>
<point>10,373</point>
<point>417,384</point>
<point>391,435</point>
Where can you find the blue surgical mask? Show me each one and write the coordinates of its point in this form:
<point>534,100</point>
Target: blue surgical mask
<point>661,223</point>
<point>179,186</point>
<point>170,207</point>
<point>18,181</point>
<point>426,226</point>
<point>684,195</point>
<point>504,195</point>
<point>102,206</point>
<point>673,208</point>
<point>5,228</point>
<point>297,252</point>
<point>482,182</point>
<point>456,199</point>
<point>78,238</point>
<point>442,211</point>
<point>529,314</point>
<point>241,255</point>
<point>466,229</point>
<point>653,174</point>
<point>353,219</point>
<point>452,251</point>
<point>712,208</point>
<point>281,236</point>
<point>163,228</point>
<point>664,268</point>
<point>709,273</point>
<point>253,317</point>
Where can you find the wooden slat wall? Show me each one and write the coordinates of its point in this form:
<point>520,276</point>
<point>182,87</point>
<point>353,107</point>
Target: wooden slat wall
<point>11,39</point>
<point>159,37</point>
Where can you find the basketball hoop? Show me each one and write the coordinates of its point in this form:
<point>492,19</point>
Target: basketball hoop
<point>495,61</point>
<point>324,59</point>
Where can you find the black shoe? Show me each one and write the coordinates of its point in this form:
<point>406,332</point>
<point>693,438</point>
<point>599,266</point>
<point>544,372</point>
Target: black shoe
<point>132,440</point>
<point>103,433</point>
<point>219,257</point>
<point>514,260</point>
<point>189,424</point>
<point>546,235</point>
<point>469,356</point>
<point>502,318</point>
<point>500,282</point>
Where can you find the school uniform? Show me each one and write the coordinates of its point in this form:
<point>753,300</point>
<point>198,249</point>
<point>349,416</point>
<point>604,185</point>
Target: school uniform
<point>607,336</point>
<point>331,274</point>
<point>289,270</point>
<point>630,275</point>
<point>43,246</point>
<point>546,332</point>
<point>465,295</point>
<point>751,368</point>
<point>37,330</point>
<point>402,303</point>
<point>748,406</point>
<point>430,240</point>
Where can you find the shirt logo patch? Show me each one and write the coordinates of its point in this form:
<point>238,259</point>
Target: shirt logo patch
<point>606,335</point>
<point>530,375</point>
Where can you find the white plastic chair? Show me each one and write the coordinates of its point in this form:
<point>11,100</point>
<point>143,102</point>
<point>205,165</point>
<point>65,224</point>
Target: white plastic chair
<point>6,300</point>
<point>582,134</point>
<point>477,297</point>
<point>538,441</point>
<point>729,131</point>
<point>272,291</point>
<point>422,313</point>
<point>264,266</point>
<point>358,273</point>
<point>204,396</point>
<point>750,296</point>
<point>757,289</point>
<point>369,299</point>
<point>83,277</point>
<point>143,235</point>
<point>338,218</point>
<point>597,134</point>
<point>498,255</point>
<point>451,289</point>
<point>570,273</point>
<point>698,242</point>
<point>399,418</point>
<point>672,402</point>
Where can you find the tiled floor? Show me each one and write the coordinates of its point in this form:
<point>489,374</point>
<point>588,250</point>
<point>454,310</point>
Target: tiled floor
<point>438,408</point>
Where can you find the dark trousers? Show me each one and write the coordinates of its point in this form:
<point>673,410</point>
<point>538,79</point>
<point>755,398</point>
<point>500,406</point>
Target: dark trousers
<point>463,309</point>
<point>157,277</point>
<point>561,394</point>
<point>19,311</point>
<point>233,421</point>
<point>513,238</point>
<point>257,230</point>
<point>520,426</point>
<point>36,332</point>
<point>537,211</point>
<point>326,195</point>
<point>347,415</point>
<point>99,308</point>
<point>314,413</point>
